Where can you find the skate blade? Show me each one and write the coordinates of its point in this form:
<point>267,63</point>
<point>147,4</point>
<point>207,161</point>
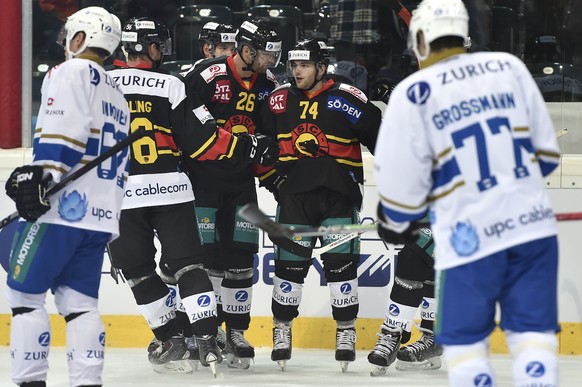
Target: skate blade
<point>212,366</point>
<point>241,363</point>
<point>378,370</point>
<point>344,365</point>
<point>282,364</point>
<point>194,364</point>
<point>433,363</point>
<point>174,367</point>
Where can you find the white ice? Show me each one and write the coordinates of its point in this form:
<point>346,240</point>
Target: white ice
<point>129,367</point>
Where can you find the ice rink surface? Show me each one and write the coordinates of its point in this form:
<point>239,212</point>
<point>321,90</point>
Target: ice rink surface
<point>129,367</point>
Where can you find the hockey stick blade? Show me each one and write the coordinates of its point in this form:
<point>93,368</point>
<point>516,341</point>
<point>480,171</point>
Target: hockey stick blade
<point>83,170</point>
<point>253,214</point>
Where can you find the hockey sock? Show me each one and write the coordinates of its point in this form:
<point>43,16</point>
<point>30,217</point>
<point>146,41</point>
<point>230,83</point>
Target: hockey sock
<point>198,299</point>
<point>344,299</point>
<point>85,347</point>
<point>216,279</point>
<point>286,299</point>
<point>469,365</point>
<point>30,338</point>
<point>157,305</point>
<point>534,358</point>
<point>237,294</point>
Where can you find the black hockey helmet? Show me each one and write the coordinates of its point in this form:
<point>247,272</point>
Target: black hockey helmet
<point>139,33</point>
<point>214,33</point>
<point>258,35</point>
<point>311,50</point>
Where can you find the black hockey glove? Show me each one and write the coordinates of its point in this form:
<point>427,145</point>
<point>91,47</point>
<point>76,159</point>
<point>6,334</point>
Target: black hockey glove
<point>261,149</point>
<point>31,188</point>
<point>387,233</point>
<point>273,183</point>
<point>12,185</point>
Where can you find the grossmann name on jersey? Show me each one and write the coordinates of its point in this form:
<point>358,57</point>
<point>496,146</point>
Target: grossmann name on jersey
<point>477,105</point>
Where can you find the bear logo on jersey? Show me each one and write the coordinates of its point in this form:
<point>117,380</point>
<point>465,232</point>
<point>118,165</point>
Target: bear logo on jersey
<point>309,141</point>
<point>239,124</point>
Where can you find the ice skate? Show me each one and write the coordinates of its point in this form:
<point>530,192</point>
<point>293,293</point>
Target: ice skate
<point>345,351</point>
<point>209,353</point>
<point>385,350</point>
<point>423,354</point>
<point>281,343</point>
<point>169,356</point>
<point>193,352</point>
<point>221,341</point>
<point>239,352</point>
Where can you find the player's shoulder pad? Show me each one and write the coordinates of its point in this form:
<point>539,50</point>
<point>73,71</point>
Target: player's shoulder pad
<point>353,90</point>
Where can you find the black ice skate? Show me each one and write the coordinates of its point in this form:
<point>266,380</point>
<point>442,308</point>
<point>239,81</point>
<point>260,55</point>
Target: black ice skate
<point>239,352</point>
<point>385,350</point>
<point>169,356</point>
<point>281,343</point>
<point>345,345</point>
<point>423,354</point>
<point>221,341</point>
<point>209,353</point>
<point>193,352</point>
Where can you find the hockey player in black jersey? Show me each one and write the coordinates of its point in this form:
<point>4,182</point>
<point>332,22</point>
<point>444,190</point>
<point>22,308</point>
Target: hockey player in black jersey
<point>159,198</point>
<point>319,125</point>
<point>233,89</point>
<point>217,40</point>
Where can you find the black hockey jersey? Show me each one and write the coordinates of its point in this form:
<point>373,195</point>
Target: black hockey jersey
<point>319,136</point>
<point>157,101</point>
<point>235,105</point>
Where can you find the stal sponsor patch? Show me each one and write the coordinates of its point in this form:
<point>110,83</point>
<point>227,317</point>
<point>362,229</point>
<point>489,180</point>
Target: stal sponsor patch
<point>222,91</point>
<point>278,102</point>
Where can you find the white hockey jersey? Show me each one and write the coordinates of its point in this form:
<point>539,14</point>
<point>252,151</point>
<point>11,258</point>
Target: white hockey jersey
<point>82,114</point>
<point>470,139</point>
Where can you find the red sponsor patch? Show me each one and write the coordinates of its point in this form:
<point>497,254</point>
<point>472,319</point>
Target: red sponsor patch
<point>278,102</point>
<point>50,101</point>
<point>222,91</point>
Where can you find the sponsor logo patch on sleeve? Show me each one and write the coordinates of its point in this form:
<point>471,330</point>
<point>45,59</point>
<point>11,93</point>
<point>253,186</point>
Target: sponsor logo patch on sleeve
<point>202,113</point>
<point>354,91</point>
<point>213,71</point>
<point>278,102</point>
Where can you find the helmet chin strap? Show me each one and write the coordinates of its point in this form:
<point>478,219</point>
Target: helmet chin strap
<point>249,66</point>
<point>315,80</point>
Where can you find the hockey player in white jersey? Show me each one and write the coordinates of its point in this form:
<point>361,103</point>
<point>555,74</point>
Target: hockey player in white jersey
<point>469,138</point>
<point>61,244</point>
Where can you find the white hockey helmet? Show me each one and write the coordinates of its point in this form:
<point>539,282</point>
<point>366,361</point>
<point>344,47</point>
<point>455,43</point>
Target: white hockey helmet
<point>436,19</point>
<point>102,30</point>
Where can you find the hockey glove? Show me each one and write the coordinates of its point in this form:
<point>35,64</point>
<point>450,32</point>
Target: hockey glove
<point>31,188</point>
<point>261,149</point>
<point>12,185</point>
<point>273,183</point>
<point>396,233</point>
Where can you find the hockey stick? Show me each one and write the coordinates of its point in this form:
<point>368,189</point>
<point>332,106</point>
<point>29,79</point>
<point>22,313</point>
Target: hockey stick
<point>569,216</point>
<point>83,170</point>
<point>253,214</point>
<point>561,132</point>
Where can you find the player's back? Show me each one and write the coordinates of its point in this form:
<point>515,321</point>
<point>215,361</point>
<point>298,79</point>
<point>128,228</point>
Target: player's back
<point>156,103</point>
<point>481,123</point>
<point>83,114</point>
